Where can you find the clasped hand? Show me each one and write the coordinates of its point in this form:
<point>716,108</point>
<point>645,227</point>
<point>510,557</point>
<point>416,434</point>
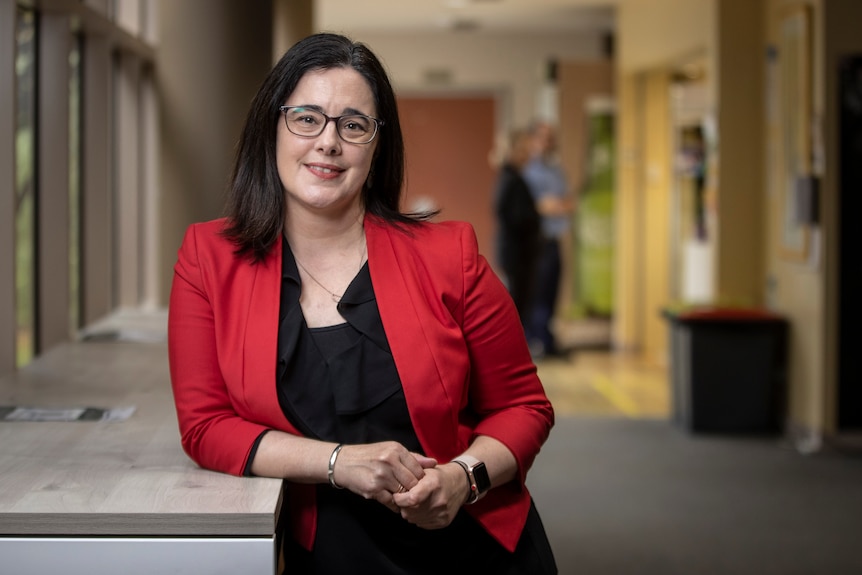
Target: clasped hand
<point>423,492</point>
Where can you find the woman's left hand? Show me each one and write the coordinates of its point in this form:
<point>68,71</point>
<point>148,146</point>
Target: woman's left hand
<point>435,500</point>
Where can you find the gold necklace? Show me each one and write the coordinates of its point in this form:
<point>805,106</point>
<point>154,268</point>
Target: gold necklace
<point>335,297</point>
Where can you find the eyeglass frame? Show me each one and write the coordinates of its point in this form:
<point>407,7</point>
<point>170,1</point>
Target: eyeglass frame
<point>377,124</point>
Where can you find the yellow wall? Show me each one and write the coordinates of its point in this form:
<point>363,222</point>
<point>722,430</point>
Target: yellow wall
<point>627,328</point>
<point>726,36</point>
<point>738,87</point>
<point>660,32</point>
<point>797,290</point>
<point>804,289</point>
<point>654,38</point>
<point>655,205</point>
<point>798,283</point>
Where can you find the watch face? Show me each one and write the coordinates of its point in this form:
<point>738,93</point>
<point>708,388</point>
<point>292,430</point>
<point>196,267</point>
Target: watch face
<point>480,474</point>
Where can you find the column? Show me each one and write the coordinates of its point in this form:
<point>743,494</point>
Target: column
<point>212,57</point>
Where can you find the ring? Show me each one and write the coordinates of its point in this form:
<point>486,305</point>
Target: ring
<point>401,488</point>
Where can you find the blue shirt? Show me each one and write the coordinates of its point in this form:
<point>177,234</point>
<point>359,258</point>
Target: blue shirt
<point>546,179</point>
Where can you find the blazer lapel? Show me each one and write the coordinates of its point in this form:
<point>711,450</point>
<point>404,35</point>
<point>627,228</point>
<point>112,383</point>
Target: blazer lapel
<point>261,340</point>
<point>402,311</point>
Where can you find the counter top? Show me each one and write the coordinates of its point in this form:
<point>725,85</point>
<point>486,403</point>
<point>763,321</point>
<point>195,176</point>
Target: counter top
<point>81,478</point>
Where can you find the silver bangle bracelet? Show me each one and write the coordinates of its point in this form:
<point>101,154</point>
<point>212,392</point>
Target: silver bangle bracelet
<point>330,472</point>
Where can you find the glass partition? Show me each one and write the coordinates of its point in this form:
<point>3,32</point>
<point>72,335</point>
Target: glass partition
<point>25,185</point>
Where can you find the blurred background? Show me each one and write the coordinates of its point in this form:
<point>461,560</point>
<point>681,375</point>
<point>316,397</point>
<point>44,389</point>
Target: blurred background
<point>713,148</point>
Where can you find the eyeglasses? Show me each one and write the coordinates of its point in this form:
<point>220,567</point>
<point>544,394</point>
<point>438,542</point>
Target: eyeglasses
<point>309,123</point>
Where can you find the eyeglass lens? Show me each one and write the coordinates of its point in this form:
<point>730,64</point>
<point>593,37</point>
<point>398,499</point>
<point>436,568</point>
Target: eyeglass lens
<point>357,129</point>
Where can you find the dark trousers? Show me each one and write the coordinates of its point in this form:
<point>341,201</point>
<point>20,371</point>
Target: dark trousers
<point>546,291</point>
<point>520,271</point>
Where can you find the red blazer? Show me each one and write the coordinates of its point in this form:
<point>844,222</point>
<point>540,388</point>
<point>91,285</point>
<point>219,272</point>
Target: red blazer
<point>454,333</point>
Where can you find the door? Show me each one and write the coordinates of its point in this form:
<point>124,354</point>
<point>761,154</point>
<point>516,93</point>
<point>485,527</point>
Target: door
<point>448,143</point>
<point>850,272</point>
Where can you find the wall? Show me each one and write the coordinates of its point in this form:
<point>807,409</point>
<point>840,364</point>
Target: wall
<point>804,290</point>
<point>654,241</point>
<point>660,40</point>
<point>513,63</point>
<point>208,73</point>
<point>291,23</point>
<point>739,87</point>
<point>656,32</point>
<point>653,39</point>
<point>796,287</point>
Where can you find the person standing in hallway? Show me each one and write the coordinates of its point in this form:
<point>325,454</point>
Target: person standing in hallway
<point>369,357</point>
<point>518,224</point>
<point>555,205</point>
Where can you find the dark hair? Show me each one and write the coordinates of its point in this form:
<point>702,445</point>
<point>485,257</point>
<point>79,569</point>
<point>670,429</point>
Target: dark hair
<point>255,205</point>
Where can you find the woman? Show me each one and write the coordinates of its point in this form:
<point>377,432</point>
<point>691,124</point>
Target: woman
<point>370,358</point>
<point>518,224</point>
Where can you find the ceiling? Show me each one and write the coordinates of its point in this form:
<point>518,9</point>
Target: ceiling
<point>476,16</point>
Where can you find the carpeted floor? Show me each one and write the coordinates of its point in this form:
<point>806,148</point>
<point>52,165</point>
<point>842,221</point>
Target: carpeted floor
<point>621,496</point>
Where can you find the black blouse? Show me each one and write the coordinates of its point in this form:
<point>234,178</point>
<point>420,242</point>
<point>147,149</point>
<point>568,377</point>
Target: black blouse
<point>339,383</point>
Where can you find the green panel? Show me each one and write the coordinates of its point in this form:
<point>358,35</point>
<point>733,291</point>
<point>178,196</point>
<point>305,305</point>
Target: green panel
<point>595,221</point>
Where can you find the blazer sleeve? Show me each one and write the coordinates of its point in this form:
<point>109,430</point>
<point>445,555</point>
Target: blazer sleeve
<point>212,433</point>
<point>505,392</point>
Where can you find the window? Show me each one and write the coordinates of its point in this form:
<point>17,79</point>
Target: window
<point>25,186</point>
<point>62,143</point>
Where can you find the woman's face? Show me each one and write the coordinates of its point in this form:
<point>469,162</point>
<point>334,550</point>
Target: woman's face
<point>324,173</point>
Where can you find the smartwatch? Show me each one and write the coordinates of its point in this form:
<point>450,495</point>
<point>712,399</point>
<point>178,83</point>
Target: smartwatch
<point>477,476</point>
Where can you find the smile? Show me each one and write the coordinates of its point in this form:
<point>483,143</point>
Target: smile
<point>326,172</point>
<point>324,169</point>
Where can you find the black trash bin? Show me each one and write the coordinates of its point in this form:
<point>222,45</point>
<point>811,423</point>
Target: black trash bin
<point>728,369</point>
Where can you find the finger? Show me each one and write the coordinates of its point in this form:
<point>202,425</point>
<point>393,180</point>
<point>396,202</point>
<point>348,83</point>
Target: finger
<point>415,465</point>
<point>398,490</point>
<point>425,461</point>
<point>401,482</point>
<point>418,495</point>
<point>404,500</point>
<point>393,505</point>
<point>388,501</point>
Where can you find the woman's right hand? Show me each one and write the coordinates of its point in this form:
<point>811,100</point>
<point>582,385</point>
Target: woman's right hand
<point>377,470</point>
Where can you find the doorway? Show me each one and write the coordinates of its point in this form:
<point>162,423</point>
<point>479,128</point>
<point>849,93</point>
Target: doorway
<point>850,277</point>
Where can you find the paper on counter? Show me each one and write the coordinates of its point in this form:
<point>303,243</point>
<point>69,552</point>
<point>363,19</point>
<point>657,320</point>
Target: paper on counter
<point>12,413</point>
